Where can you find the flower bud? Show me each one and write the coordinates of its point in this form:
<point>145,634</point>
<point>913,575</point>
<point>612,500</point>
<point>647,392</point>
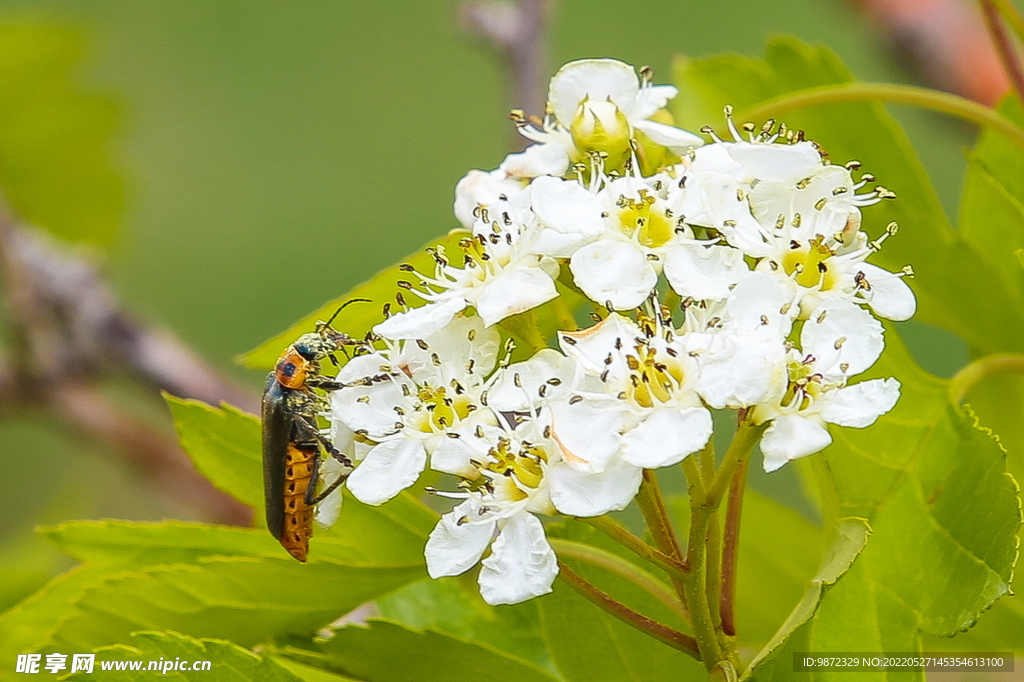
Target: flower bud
<point>600,127</point>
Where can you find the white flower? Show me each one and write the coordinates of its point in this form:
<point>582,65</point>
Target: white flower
<point>799,215</point>
<point>739,343</point>
<point>619,238</point>
<point>648,413</point>
<point>840,340</point>
<point>482,191</point>
<point>501,275</point>
<point>596,105</point>
<point>407,398</point>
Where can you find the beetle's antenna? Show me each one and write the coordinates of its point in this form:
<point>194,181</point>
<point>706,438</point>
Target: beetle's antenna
<point>324,325</point>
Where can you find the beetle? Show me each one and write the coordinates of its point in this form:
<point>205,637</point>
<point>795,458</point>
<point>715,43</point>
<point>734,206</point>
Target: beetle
<point>292,440</point>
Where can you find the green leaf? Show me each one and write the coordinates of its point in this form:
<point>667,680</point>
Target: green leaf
<point>851,535</point>
<point>247,600</point>
<point>227,661</point>
<point>588,644</point>
<point>779,553</point>
<point>27,625</point>
<point>948,267</point>
<point>55,140</point>
<point>453,606</point>
<point>387,652</point>
<point>117,543</point>
<point>357,319</point>
<point>224,444</point>
<point>1003,161</point>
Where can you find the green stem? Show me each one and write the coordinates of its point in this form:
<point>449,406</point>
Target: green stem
<point>1011,16</point>
<point>566,321</point>
<point>660,631</point>
<point>656,515</point>
<point>620,534</point>
<point>925,98</point>
<point>713,542</point>
<point>746,435</point>
<point>970,376</point>
<point>696,582</point>
<point>730,547</point>
<point>622,568</point>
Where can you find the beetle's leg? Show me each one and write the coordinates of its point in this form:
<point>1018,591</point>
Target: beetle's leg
<point>329,489</point>
<point>314,432</point>
<point>313,480</point>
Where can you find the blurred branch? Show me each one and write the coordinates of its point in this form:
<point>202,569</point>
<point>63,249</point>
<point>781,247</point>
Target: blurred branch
<point>945,41</point>
<point>1003,41</point>
<point>519,30</point>
<point>66,330</point>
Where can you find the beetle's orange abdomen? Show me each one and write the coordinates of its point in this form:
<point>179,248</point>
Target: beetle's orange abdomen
<point>298,516</point>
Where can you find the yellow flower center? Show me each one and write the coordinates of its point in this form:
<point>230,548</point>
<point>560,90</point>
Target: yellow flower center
<point>640,217</point>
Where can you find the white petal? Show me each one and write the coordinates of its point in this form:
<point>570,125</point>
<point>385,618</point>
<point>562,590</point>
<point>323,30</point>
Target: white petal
<point>596,79</point>
<point>676,139</point>
<point>419,323</point>
<point>581,494</point>
<point>613,270</point>
<point>514,290</point>
<point>776,162</point>
<point>522,564</point>
<point>704,273</point>
<point>790,437</point>
<point>840,322</point>
<point>329,509</point>
<point>889,295</point>
<point>666,436</point>
<point>587,431</point>
<point>823,197</point>
<point>455,547</point>
<point>861,404</point>
<point>649,100</point>
<point>549,158</point>
<point>454,349</point>
<point>367,408</point>
<point>756,299</point>
<point>590,347</point>
<point>504,395</point>
<point>454,455</point>
<point>388,469</point>
<point>740,370</point>
<point>481,189</point>
<point>567,207</point>
<point>718,198</point>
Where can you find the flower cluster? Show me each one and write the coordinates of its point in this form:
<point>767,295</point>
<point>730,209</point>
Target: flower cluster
<point>727,274</point>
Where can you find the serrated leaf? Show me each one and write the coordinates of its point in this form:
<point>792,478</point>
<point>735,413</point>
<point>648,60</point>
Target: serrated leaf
<point>587,644</point>
<point>453,606</point>
<point>383,651</point>
<point>357,319</point>
<point>998,402</point>
<point>944,515</point>
<point>851,535</point>
<point>55,139</point>
<point>247,600</point>
<point>948,268</point>
<point>224,445</point>
<point>228,662</point>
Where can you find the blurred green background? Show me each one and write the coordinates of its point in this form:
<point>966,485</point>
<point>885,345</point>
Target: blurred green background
<point>278,153</point>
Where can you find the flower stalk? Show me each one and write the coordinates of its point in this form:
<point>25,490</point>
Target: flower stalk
<point>660,631</point>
